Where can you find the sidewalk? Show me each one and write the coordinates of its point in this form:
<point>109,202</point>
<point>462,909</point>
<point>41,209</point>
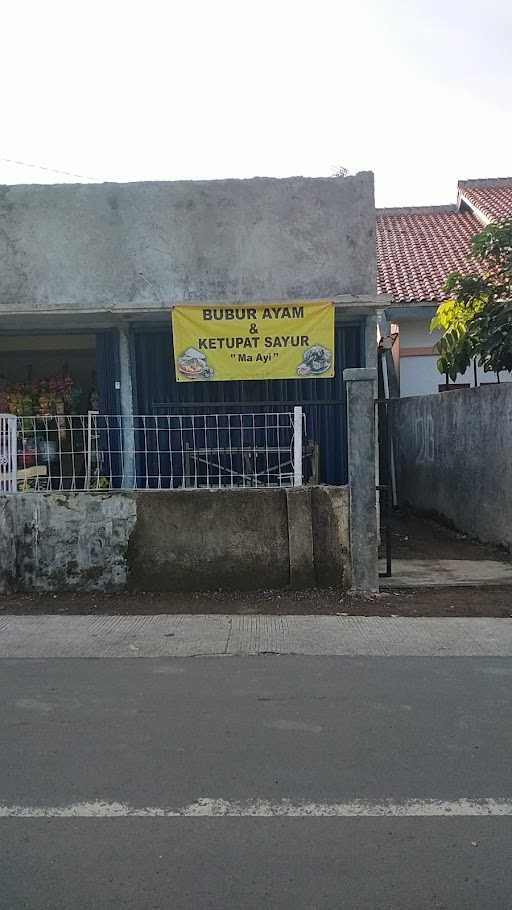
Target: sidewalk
<point>442,573</point>
<point>221,635</point>
<point>427,554</point>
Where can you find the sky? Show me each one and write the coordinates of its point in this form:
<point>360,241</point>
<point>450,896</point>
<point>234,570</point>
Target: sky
<point>418,92</point>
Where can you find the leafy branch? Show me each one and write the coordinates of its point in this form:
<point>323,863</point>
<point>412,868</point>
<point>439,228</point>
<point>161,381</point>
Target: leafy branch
<point>477,318</point>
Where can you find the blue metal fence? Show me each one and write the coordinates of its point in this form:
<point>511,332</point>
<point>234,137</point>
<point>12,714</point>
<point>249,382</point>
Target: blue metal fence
<point>323,400</point>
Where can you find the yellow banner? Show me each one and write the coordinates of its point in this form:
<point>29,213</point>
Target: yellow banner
<point>258,341</point>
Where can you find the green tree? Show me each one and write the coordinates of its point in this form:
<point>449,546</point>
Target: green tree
<point>477,318</point>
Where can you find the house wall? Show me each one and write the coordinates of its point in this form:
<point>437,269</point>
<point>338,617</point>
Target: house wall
<point>139,246</point>
<point>175,541</point>
<point>418,371</point>
<point>454,457</point>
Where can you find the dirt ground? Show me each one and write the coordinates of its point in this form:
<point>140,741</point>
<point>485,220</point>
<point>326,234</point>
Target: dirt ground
<point>481,601</point>
<point>418,537</point>
<point>412,538</point>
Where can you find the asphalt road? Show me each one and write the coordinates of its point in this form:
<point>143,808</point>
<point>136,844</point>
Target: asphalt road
<point>162,734</point>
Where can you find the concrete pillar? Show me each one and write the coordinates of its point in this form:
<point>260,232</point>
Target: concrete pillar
<point>361,385</point>
<point>370,341</point>
<point>126,397</point>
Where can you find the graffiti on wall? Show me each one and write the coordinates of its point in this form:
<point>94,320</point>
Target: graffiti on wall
<point>424,436</point>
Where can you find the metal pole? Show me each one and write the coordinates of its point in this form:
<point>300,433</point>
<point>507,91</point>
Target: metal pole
<point>385,376</point>
<point>127,427</point>
<point>88,469</point>
<point>8,453</point>
<point>13,446</point>
<point>384,488</point>
<point>297,446</point>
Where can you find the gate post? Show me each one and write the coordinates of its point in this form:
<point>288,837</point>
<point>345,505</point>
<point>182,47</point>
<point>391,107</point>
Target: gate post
<point>127,428</point>
<point>8,453</point>
<point>297,446</point>
<point>361,391</point>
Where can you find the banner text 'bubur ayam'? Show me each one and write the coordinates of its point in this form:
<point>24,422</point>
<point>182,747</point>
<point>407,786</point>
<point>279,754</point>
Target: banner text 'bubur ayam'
<point>260,341</point>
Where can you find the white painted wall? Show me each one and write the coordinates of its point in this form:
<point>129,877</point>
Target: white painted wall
<point>416,334</point>
<point>419,375</point>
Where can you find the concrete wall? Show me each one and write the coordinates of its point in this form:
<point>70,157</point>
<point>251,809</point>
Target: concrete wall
<point>455,458</point>
<point>175,541</point>
<point>130,247</point>
<point>62,541</point>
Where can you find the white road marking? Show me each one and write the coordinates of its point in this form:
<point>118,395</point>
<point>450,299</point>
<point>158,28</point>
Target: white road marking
<point>219,808</point>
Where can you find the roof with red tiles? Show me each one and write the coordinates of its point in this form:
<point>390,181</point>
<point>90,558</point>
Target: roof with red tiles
<point>493,198</point>
<point>416,251</point>
<point>417,248</point>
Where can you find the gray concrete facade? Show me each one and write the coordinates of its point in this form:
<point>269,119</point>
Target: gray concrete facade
<point>120,255</point>
<point>455,458</point>
<point>174,540</point>
<point>362,477</point>
<point>145,246</point>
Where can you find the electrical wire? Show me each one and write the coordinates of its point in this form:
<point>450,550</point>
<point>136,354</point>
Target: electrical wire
<point>53,170</point>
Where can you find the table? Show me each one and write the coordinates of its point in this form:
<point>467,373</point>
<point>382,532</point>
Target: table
<point>210,459</point>
<point>25,475</point>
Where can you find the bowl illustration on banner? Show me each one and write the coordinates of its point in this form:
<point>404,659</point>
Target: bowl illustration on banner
<point>316,360</point>
<point>194,365</point>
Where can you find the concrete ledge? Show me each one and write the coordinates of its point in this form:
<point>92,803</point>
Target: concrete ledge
<point>7,546</point>
<point>65,541</point>
<point>435,573</point>
<point>177,540</point>
<point>300,537</point>
<point>362,374</point>
<point>331,535</point>
<point>201,540</point>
